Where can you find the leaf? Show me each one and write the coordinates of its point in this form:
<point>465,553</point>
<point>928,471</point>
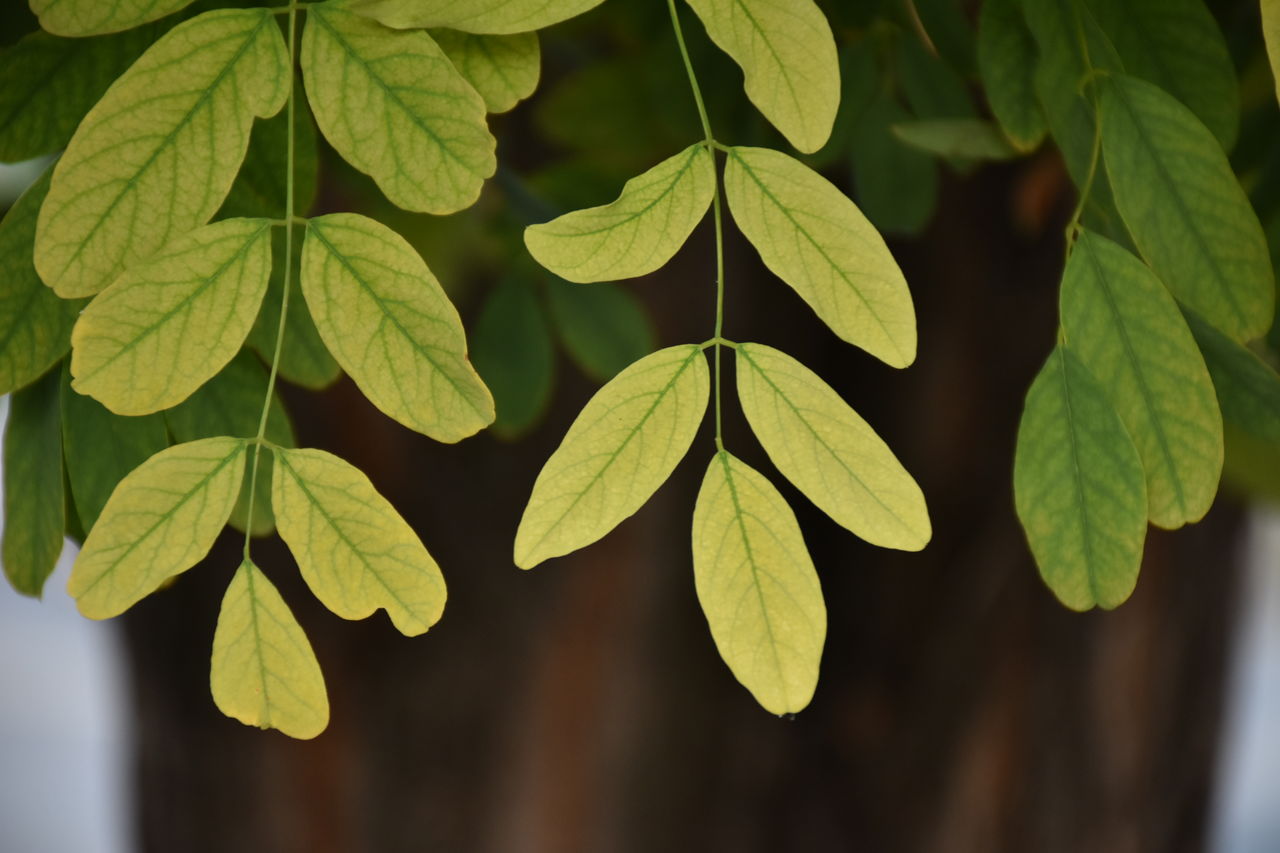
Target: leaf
<point>35,325</point>
<point>231,404</point>
<point>392,104</point>
<point>1271,34</point>
<point>160,521</point>
<point>817,241</point>
<point>34,502</point>
<point>1006,50</point>
<point>623,445</point>
<point>757,585</point>
<point>167,326</point>
<point>389,324</point>
<point>637,233</point>
<point>1185,209</point>
<point>949,31</point>
<point>1248,388</point>
<point>355,552</point>
<point>896,186</point>
<point>500,17</point>
<point>155,158</point>
<point>260,187</point>
<point>830,453</point>
<point>503,69</point>
<point>932,88</point>
<point>91,17</point>
<point>788,58</point>
<point>513,355</point>
<point>603,327</point>
<point>962,138</point>
<point>1127,331</point>
<point>48,83</point>
<point>263,670</point>
<point>1079,487</point>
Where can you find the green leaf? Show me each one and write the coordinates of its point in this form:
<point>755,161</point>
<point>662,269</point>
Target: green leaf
<point>35,325</point>
<point>47,84</point>
<point>393,106</point>
<point>962,138</point>
<point>1186,211</point>
<point>155,158</point>
<point>1248,388</point>
<point>386,319</point>
<point>623,445</point>
<point>1079,488</point>
<point>91,17</point>
<point>160,521</point>
<point>1006,50</point>
<point>231,404</point>
<point>757,585</point>
<point>949,30</point>
<point>830,453</point>
<point>817,241</point>
<point>637,233</point>
<point>355,552</point>
<point>1271,34</point>
<point>513,355</point>
<point>1127,331</point>
<point>167,326</point>
<point>788,59</point>
<point>101,448</point>
<point>503,69</point>
<point>34,502</point>
<point>500,17</point>
<point>603,327</point>
<point>932,88</point>
<point>896,186</point>
<point>263,670</point>
<point>260,187</point>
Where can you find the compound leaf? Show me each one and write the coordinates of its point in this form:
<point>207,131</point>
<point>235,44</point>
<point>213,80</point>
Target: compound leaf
<point>91,17</point>
<point>757,585</point>
<point>503,69</point>
<point>34,501</point>
<point>623,445</point>
<point>1006,50</point>
<point>500,17</point>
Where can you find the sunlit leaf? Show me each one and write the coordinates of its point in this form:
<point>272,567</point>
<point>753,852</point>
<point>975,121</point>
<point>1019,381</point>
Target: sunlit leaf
<point>34,502</point>
<point>475,16</point>
<point>1005,51</point>
<point>389,324</point>
<point>91,17</point>
<point>816,240</point>
<point>624,444</point>
<point>355,551</point>
<point>1271,34</point>
<point>503,69</point>
<point>603,327</point>
<point>1248,388</point>
<point>757,585</point>
<point>962,138</point>
<point>263,670</point>
<point>511,346</point>
<point>160,521</point>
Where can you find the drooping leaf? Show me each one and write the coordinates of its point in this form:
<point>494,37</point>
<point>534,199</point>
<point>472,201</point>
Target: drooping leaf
<point>513,354</point>
<point>816,240</point>
<point>1248,388</point>
<point>1271,34</point>
<point>393,106</point>
<point>1079,487</point>
<point>503,69</point>
<point>932,88</point>
<point>48,83</point>
<point>956,138</point>
<point>35,325</point>
<point>788,59</point>
<point>389,324</point>
<point>1006,50</point>
<point>155,158</point>
<point>169,325</point>
<point>896,185</point>
<point>500,17</point>
<point>160,521</point>
<point>830,453</point>
<point>637,233</point>
<point>949,30</point>
<point>623,445</point>
<point>603,327</point>
<point>757,585</point>
<point>354,550</point>
<point>260,187</point>
<point>263,671</point>
<point>92,17</point>
<point>1127,331</point>
<point>34,502</point>
<point>1186,211</point>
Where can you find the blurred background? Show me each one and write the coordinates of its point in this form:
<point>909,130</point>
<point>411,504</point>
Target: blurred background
<point>582,706</point>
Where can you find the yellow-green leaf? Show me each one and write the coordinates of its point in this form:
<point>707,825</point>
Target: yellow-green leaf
<point>788,58</point>
<point>167,326</point>
<point>474,16</point>
<point>637,233</point>
<point>263,672</point>
<point>816,240</point>
<point>389,324</point>
<point>393,106</point>
<point>830,453</point>
<point>355,551</point>
<point>757,585</point>
<point>1271,33</point>
<point>91,17</point>
<point>624,444</point>
<point>160,521</point>
<point>503,69</point>
<point>155,158</point>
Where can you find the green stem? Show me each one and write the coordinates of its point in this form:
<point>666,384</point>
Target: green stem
<point>1073,225</point>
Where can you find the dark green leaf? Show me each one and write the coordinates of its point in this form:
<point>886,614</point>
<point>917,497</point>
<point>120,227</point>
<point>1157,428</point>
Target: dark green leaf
<point>956,138</point>
<point>602,326</point>
<point>33,498</point>
<point>1248,388</point>
<point>895,186</point>
<point>1005,51</point>
<point>512,351</point>
<point>259,189</point>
